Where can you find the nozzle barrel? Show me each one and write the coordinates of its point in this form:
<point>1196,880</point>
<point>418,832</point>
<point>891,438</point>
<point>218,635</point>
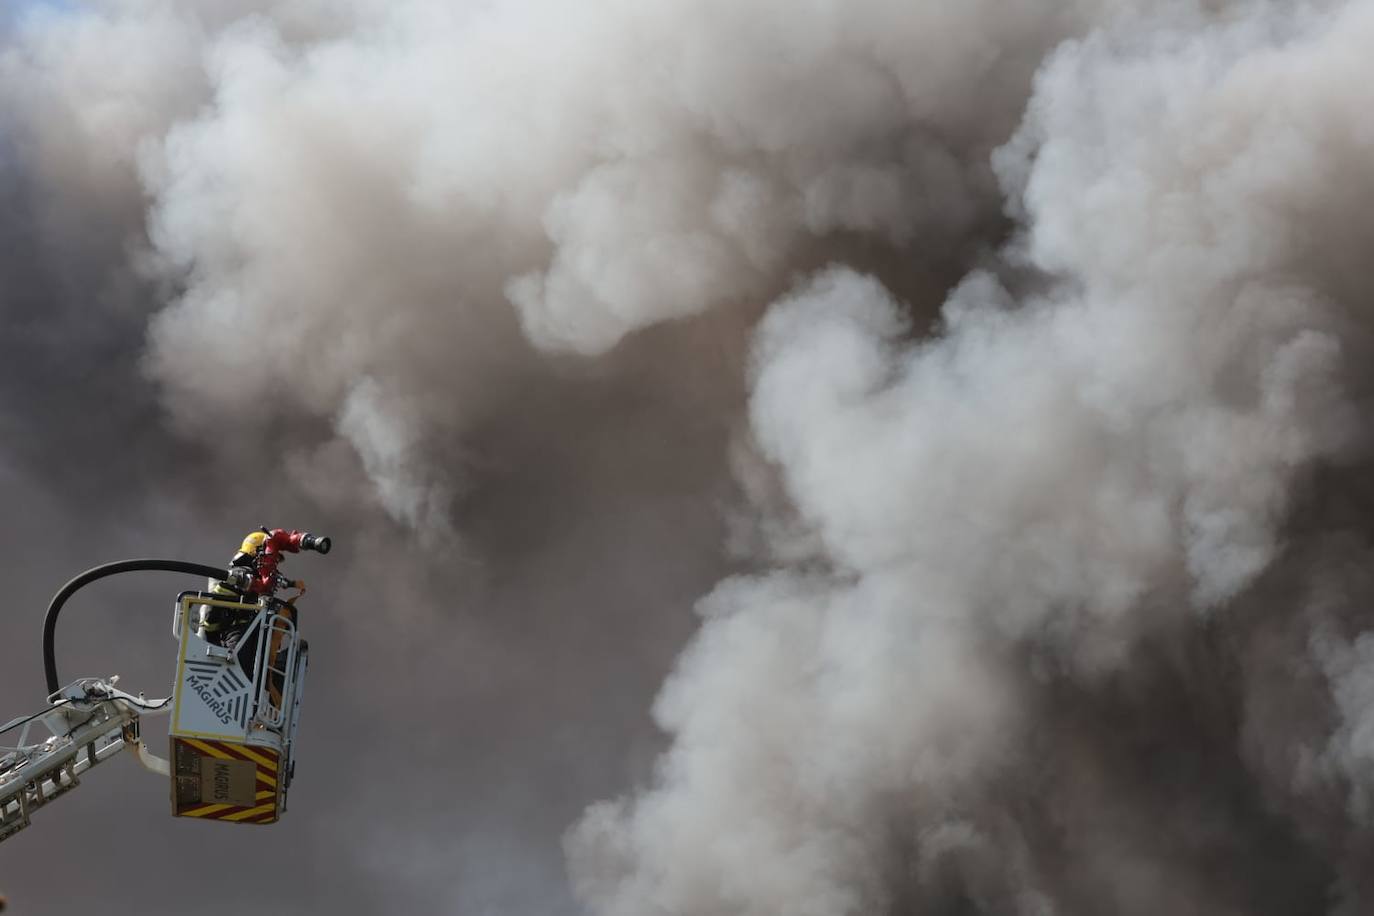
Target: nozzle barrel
<point>316,542</point>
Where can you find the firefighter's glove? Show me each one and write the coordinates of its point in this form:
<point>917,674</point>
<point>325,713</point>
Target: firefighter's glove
<point>240,578</point>
<point>281,581</point>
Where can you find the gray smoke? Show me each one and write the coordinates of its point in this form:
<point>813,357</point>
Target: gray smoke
<point>1072,470</point>
<point>1003,364</point>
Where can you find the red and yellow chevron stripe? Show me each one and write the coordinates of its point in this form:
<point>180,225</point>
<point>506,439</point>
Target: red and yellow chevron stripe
<point>224,781</point>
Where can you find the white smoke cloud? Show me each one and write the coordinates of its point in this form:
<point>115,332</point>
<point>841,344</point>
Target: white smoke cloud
<point>360,189</point>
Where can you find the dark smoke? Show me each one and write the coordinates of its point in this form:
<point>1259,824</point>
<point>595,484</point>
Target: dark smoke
<point>991,377</point>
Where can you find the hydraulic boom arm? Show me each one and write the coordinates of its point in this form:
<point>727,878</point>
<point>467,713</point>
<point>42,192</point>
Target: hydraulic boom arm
<point>89,722</point>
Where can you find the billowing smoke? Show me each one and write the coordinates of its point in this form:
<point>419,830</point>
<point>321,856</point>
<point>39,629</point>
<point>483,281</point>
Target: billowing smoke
<point>1003,364</point>
<point>1078,470</point>
<point>346,209</point>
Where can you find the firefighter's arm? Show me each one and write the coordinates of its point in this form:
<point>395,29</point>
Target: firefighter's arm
<point>239,578</point>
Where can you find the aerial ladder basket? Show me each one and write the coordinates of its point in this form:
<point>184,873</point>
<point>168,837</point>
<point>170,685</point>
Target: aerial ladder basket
<point>234,710</point>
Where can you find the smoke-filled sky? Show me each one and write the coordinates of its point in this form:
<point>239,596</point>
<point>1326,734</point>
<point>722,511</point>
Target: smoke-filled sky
<point>824,458</point>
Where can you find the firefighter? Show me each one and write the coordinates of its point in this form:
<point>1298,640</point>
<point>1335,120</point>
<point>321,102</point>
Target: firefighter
<point>254,575</point>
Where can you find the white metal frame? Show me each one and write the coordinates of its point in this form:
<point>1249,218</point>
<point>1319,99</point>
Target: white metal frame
<point>90,721</point>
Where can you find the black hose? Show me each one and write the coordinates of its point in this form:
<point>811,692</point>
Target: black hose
<point>100,572</point>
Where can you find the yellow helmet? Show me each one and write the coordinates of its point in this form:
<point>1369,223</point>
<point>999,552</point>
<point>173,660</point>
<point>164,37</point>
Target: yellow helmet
<point>253,543</point>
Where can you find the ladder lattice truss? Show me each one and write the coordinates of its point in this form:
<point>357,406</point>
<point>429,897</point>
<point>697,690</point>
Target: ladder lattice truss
<point>88,722</point>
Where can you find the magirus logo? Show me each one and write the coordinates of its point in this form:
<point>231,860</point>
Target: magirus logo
<point>222,688</point>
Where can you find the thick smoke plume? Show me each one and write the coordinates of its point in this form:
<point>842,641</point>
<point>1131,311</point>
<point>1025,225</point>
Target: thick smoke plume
<point>1004,365</point>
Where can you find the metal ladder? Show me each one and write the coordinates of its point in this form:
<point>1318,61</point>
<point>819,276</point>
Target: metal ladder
<point>32,776</point>
<point>89,722</point>
<point>275,667</point>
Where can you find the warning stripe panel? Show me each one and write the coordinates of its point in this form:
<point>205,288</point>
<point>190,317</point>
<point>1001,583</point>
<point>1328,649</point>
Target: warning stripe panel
<point>209,781</point>
<point>263,756</point>
<point>251,812</point>
<point>264,814</point>
<point>213,749</point>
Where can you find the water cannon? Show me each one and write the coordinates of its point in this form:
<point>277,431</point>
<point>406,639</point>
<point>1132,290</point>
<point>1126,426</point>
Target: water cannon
<point>315,542</point>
